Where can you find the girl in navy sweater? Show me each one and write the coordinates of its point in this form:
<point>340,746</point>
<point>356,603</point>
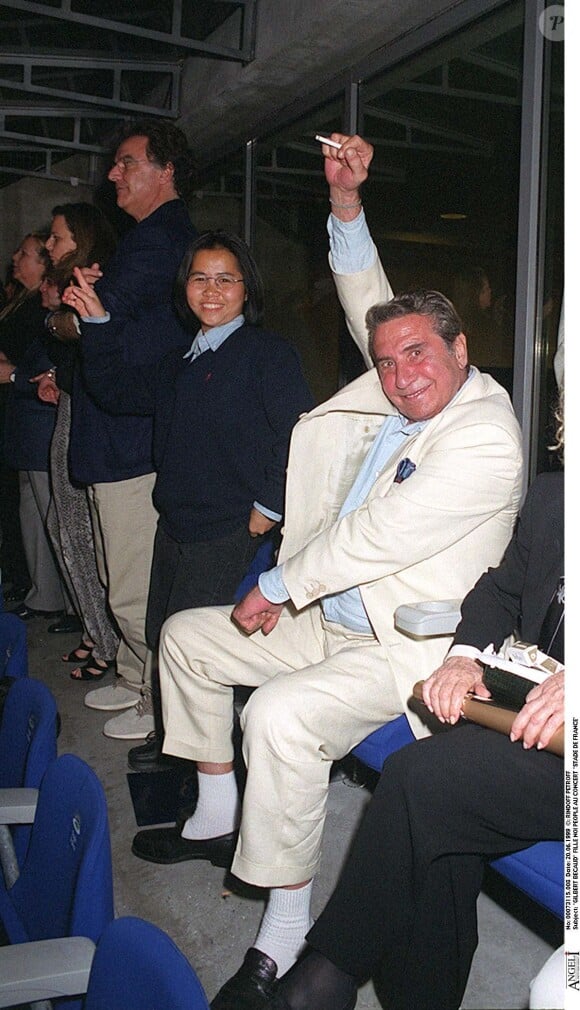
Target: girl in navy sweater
<point>223,405</point>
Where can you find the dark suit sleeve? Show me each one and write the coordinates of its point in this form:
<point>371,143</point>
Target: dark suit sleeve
<point>137,289</point>
<point>139,278</point>
<point>492,610</point>
<point>117,386</point>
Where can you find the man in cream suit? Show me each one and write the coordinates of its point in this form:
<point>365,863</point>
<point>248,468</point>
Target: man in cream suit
<point>402,486</point>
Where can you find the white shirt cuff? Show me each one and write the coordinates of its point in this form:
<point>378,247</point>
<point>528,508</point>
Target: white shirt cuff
<point>469,651</point>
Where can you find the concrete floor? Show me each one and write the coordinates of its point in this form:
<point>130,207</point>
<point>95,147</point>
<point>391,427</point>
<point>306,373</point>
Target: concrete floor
<point>214,929</point>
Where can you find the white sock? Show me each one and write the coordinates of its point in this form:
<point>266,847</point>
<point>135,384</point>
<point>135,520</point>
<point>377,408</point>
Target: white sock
<point>218,807</point>
<point>284,926</point>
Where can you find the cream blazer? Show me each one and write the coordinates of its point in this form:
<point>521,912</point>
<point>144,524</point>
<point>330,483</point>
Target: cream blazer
<point>429,537</point>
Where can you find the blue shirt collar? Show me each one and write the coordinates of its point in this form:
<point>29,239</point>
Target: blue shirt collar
<point>214,338</point>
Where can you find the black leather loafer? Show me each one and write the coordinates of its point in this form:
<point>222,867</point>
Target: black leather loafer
<point>147,757</point>
<point>251,987</point>
<point>67,625</point>
<point>165,845</point>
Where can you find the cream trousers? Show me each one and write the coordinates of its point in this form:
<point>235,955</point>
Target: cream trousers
<point>322,689</point>
<point>124,525</point>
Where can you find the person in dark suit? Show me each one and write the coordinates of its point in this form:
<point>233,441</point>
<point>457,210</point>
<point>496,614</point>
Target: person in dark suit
<point>112,455</point>
<point>446,804</point>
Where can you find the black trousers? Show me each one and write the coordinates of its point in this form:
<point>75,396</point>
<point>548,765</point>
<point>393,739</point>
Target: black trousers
<point>204,574</point>
<point>184,576</point>
<point>406,899</point>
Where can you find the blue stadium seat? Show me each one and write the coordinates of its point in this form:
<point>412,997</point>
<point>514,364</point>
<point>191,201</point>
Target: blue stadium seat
<point>28,731</point>
<point>138,967</point>
<point>65,887</point>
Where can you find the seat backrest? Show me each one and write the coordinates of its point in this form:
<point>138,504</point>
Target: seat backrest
<point>538,871</point>
<point>138,967</point>
<point>28,731</point>
<point>263,560</point>
<point>65,886</point>
<point>13,646</point>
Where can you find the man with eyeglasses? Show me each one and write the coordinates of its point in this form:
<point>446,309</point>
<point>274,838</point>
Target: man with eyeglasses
<point>152,173</point>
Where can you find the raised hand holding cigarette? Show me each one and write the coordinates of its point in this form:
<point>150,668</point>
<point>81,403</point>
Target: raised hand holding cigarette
<point>346,165</point>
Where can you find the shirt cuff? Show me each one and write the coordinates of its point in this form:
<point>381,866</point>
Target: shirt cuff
<point>267,512</point>
<point>271,585</point>
<point>468,651</point>
<point>351,245</point>
<point>97,319</point>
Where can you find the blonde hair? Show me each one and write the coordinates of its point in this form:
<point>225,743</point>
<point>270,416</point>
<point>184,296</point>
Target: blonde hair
<point>21,293</point>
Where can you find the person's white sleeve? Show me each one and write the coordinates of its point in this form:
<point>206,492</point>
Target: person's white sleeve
<point>469,651</point>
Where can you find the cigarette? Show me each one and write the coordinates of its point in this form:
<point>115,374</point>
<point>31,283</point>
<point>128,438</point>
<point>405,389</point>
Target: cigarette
<point>327,140</point>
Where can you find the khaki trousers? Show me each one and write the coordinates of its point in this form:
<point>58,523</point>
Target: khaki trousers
<point>322,689</point>
<point>125,522</point>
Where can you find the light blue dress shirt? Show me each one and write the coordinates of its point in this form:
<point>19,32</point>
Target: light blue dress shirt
<point>214,338</point>
<point>351,245</point>
<point>346,608</point>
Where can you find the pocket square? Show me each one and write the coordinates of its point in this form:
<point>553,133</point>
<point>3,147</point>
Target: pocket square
<point>405,468</point>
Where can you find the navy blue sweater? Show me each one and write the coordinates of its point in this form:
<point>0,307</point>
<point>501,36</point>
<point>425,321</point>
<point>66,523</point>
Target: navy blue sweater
<point>222,424</point>
<point>136,289</point>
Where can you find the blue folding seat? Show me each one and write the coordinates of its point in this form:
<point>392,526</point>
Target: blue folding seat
<point>65,886</point>
<point>28,731</point>
<point>138,967</point>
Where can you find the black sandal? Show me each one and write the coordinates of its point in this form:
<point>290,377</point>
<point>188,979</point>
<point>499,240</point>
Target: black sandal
<point>73,657</point>
<point>92,671</point>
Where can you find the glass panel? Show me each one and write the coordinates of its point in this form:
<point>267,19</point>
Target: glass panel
<point>219,201</point>
<point>292,244</point>
<point>442,198</point>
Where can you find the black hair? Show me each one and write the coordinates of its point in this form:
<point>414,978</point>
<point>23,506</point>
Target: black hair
<point>254,305</point>
<point>166,144</point>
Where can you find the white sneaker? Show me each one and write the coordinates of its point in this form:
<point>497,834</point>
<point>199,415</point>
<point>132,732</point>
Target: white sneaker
<point>112,698</point>
<point>135,724</point>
